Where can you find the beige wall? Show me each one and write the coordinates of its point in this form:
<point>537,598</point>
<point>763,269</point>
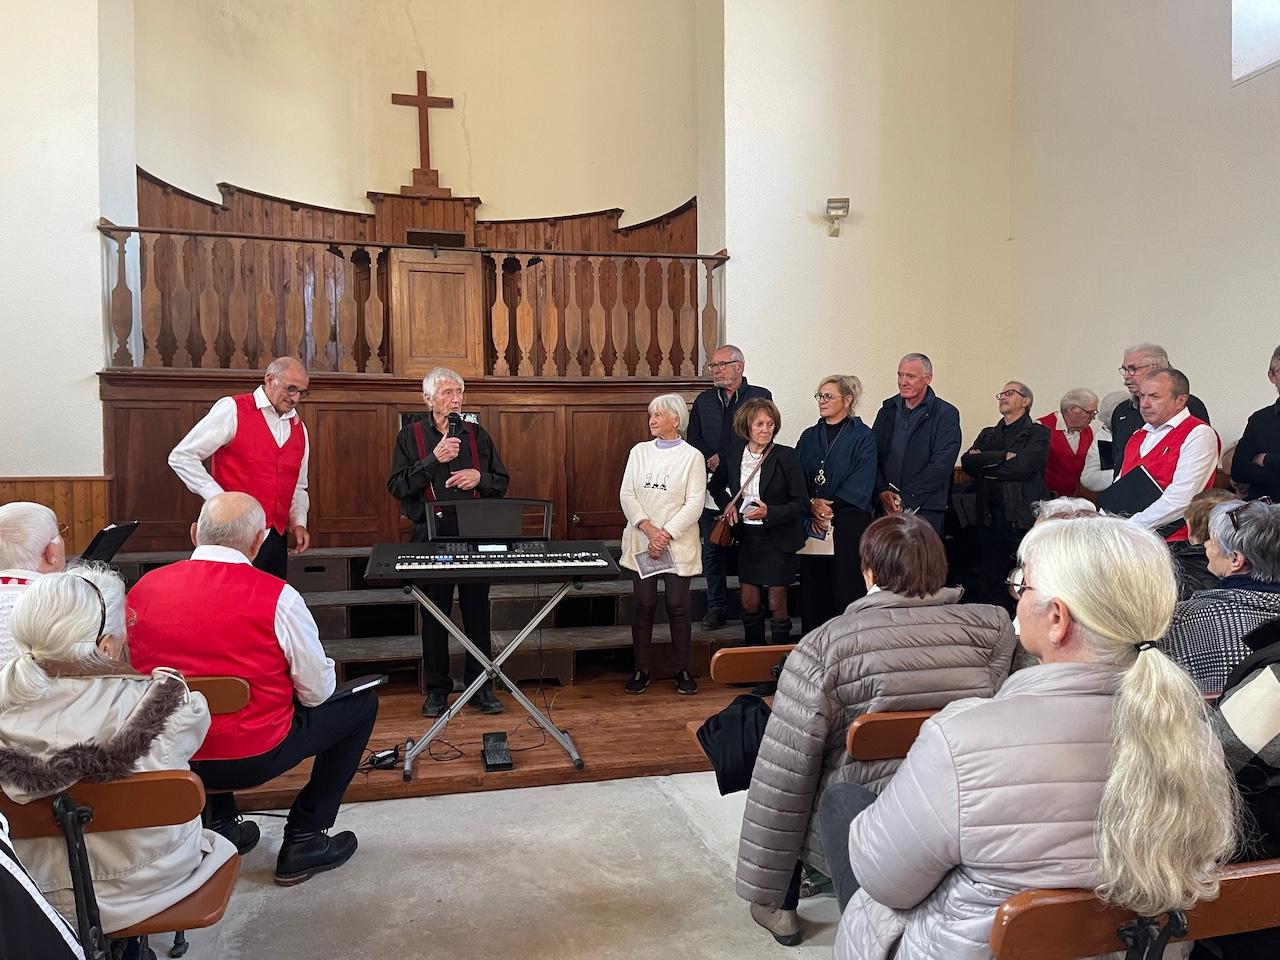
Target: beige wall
<point>560,106</point>
<point>1146,201</point>
<point>905,108</point>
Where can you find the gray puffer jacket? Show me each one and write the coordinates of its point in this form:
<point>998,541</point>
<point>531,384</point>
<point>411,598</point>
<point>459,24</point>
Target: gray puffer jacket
<point>886,652</point>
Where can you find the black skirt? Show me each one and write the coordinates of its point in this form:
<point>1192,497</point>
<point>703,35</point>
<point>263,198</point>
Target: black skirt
<point>760,562</point>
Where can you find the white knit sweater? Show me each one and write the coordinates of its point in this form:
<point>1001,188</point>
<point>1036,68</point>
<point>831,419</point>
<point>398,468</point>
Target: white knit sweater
<point>667,488</point>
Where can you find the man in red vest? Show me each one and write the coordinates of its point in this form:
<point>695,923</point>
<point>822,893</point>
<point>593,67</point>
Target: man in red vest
<point>1179,450</point>
<point>1070,440</point>
<point>215,615</point>
<point>256,444</point>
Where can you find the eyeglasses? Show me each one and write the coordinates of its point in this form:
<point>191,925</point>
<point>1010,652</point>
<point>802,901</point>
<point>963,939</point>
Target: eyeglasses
<point>1009,393</point>
<point>298,392</point>
<point>64,531</point>
<point>1088,413</point>
<point>719,365</point>
<point>1234,515</point>
<point>1131,368</point>
<point>1016,582</point>
<point>825,397</point>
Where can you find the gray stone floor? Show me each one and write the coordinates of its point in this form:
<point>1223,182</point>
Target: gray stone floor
<point>620,869</point>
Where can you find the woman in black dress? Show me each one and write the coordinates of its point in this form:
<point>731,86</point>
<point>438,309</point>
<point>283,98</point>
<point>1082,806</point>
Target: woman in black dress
<point>769,517</point>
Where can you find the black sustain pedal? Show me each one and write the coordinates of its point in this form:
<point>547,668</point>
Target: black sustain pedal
<point>497,752</point>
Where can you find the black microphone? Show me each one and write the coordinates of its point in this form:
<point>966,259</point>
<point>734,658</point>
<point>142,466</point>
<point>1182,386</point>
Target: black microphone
<point>455,425</point>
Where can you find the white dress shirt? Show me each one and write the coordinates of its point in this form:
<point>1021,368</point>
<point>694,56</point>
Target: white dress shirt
<point>311,671</point>
<point>217,430</point>
<point>1196,462</point>
<point>1093,476</point>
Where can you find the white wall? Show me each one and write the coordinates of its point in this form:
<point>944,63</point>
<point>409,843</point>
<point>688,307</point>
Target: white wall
<point>905,108</point>
<point>50,253</point>
<point>560,106</point>
<point>1146,200</point>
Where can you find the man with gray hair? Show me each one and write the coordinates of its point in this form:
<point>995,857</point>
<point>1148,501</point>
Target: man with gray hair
<point>30,546</point>
<point>1126,419</point>
<point>256,444</point>
<point>1070,440</point>
<point>1257,459</point>
<point>443,457</point>
<point>215,615</point>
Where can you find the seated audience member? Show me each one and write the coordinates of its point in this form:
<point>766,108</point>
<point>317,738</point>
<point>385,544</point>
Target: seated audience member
<point>1256,463</point>
<point>1189,560</point>
<point>1096,769</point>
<point>1070,440</point>
<point>1206,633</point>
<point>1099,472</point>
<point>909,644</point>
<point>46,935</point>
<point>1063,508</point>
<point>71,707</point>
<point>30,546</point>
<point>217,615</point>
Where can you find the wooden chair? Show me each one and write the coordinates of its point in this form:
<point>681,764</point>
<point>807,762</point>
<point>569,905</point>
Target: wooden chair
<point>885,736</point>
<point>155,799</point>
<point>747,664</point>
<point>225,694</point>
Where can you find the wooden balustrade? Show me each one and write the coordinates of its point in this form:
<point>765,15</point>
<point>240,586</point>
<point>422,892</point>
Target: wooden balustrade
<point>211,300</point>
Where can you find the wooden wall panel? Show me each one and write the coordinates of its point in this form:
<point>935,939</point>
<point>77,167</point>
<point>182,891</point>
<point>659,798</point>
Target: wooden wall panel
<point>436,312</point>
<point>83,503</point>
<point>598,442</point>
<point>140,436</point>
<point>349,441</point>
<point>531,443</point>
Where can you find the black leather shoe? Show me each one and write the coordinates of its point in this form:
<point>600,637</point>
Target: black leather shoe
<point>435,704</point>
<point>243,833</point>
<point>486,702</point>
<point>303,855</point>
<point>714,619</point>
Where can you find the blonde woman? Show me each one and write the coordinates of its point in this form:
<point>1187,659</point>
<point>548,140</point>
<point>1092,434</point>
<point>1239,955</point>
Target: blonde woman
<point>1095,769</point>
<point>663,490</point>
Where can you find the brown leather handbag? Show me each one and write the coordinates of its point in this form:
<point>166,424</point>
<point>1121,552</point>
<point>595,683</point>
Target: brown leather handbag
<point>722,532</point>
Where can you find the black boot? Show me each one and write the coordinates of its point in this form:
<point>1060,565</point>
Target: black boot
<point>305,853</point>
<point>753,629</point>
<point>486,702</point>
<point>243,833</point>
<point>780,630</point>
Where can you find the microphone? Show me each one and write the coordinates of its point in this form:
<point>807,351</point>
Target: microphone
<point>455,425</point>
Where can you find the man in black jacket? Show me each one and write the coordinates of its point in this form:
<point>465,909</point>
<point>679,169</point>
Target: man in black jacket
<point>1126,418</point>
<point>1257,457</point>
<point>1007,463</point>
<point>433,462</point>
<point>711,431</point>
<point>917,442</point>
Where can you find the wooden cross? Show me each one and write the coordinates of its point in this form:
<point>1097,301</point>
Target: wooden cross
<point>423,102</point>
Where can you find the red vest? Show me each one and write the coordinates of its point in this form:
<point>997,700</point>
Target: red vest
<point>252,463</point>
<point>1162,460</point>
<point>212,619</point>
<point>1063,468</point>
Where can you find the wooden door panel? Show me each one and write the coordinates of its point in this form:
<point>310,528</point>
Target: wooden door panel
<point>142,434</point>
<point>350,458</point>
<point>599,440</point>
<point>436,313</point>
<point>531,443</point>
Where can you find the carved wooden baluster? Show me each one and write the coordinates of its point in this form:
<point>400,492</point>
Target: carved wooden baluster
<point>617,318</point>
<point>710,317</point>
<point>374,315</point>
<point>642,326</point>
<point>152,307</point>
<point>574,316</point>
<point>207,330</point>
<point>322,326</point>
<point>345,291</point>
<point>548,332</point>
<point>295,316</point>
<point>266,302</point>
<point>687,325</point>
<point>666,319</point>
<point>121,306</point>
<point>561,296</point>
<point>524,319</point>
<point>500,320</point>
<point>180,304</point>
<point>238,308</point>
<point>595,317</point>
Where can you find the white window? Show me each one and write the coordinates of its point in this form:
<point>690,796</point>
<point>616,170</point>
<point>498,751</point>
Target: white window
<point>1255,37</point>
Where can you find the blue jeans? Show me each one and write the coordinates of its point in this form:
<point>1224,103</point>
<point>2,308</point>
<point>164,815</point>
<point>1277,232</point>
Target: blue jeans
<point>713,564</point>
<point>837,806</point>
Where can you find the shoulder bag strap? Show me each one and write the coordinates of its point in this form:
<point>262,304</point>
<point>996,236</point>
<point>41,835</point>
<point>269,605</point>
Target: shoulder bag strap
<point>746,483</point>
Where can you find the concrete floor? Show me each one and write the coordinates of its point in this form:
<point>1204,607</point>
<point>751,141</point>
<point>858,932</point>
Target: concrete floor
<point>619,869</point>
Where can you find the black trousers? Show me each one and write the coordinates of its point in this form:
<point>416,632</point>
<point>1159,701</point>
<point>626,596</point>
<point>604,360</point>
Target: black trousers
<point>473,599</point>
<point>336,734</point>
<point>273,555</point>
<point>644,611</point>
<point>829,584</point>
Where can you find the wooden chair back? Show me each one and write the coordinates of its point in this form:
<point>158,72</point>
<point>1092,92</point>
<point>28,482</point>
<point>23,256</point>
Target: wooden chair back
<point>225,694</point>
<point>1071,924</point>
<point>747,664</point>
<point>885,736</point>
<point>161,798</point>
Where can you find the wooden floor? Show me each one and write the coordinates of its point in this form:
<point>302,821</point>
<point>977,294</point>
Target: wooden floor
<point>616,734</point>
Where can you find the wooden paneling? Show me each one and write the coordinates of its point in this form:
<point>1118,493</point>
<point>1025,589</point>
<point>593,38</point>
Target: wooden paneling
<point>140,435</point>
<point>83,503</point>
<point>534,441</point>
<point>599,440</point>
<point>435,313</point>
<point>349,441</point>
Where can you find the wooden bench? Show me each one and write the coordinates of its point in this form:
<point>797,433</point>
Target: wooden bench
<point>747,664</point>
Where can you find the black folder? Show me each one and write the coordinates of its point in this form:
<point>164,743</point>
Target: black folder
<point>1132,493</point>
<point>108,541</point>
<point>1106,455</point>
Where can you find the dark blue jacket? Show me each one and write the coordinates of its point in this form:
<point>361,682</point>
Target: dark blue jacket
<point>931,454</point>
<point>850,466</point>
<point>711,421</point>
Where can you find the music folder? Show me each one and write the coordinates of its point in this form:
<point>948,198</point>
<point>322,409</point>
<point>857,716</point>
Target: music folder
<point>108,541</point>
<point>1132,493</point>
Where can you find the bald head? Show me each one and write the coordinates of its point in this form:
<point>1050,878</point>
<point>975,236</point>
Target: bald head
<point>234,520</point>
<point>286,384</point>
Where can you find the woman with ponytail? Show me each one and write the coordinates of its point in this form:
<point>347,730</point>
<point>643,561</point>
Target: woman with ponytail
<point>71,708</point>
<point>1095,769</point>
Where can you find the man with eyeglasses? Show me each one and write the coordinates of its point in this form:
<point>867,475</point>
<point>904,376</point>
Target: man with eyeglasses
<point>256,444</point>
<point>31,545</point>
<point>1070,441</point>
<point>1126,418</point>
<point>710,431</point>
<point>1257,458</point>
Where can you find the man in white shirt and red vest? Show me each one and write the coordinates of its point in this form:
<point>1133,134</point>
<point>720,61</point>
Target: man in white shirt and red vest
<point>256,444</point>
<point>1070,440</point>
<point>30,546</point>
<point>1179,450</point>
<point>216,615</point>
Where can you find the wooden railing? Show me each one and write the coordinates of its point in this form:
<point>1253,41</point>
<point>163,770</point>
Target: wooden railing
<point>213,300</point>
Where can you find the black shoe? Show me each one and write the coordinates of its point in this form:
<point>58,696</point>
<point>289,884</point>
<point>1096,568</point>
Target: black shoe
<point>766,689</point>
<point>714,619</point>
<point>486,702</point>
<point>638,683</point>
<point>685,683</point>
<point>303,855</point>
<point>435,704</point>
<point>243,833</point>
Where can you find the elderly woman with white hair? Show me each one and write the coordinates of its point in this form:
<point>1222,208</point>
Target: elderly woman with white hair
<point>663,489</point>
<point>1070,440</point>
<point>72,707</point>
<point>30,546</point>
<point>1096,769</point>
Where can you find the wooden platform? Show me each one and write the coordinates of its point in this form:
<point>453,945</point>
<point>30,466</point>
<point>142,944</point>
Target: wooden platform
<point>618,736</point>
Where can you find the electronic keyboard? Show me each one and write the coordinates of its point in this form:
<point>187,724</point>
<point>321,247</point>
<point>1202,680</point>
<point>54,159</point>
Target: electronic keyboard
<point>523,561</point>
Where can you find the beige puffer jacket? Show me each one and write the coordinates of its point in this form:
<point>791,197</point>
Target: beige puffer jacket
<point>886,652</point>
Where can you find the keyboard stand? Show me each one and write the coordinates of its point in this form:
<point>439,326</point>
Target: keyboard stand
<point>491,670</point>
